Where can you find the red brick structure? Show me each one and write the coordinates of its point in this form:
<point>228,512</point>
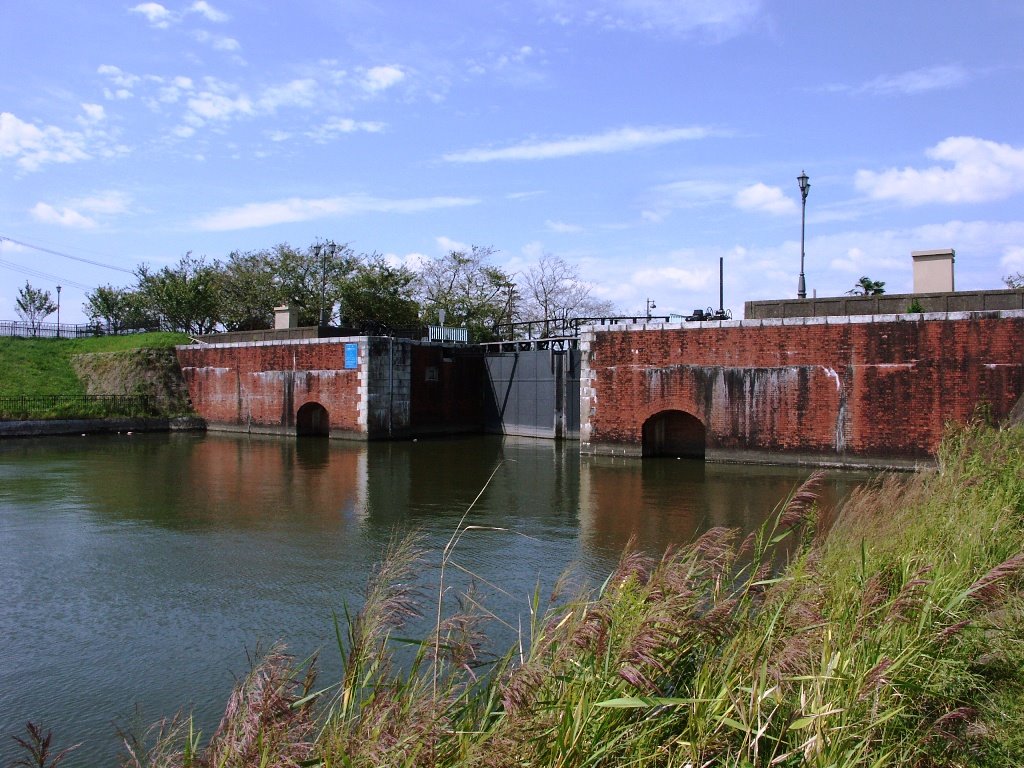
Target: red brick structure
<point>361,388</point>
<point>870,390</point>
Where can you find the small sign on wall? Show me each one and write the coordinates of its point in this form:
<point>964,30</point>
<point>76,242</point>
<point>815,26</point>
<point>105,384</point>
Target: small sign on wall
<point>351,355</point>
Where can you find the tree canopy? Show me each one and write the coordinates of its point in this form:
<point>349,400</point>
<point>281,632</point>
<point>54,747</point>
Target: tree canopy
<point>553,292</point>
<point>868,287</point>
<point>470,290</point>
<point>34,305</point>
<point>329,283</point>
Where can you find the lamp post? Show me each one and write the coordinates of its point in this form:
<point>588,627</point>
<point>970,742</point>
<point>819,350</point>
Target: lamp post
<point>805,185</point>
<point>650,305</point>
<point>320,252</point>
<point>58,311</point>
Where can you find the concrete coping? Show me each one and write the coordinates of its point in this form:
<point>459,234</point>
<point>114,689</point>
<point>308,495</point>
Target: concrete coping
<point>909,317</point>
<point>273,343</point>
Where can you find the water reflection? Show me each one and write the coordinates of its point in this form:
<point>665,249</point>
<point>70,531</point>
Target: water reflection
<point>139,570</point>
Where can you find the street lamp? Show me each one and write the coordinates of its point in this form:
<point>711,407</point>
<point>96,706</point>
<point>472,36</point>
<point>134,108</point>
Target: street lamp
<point>320,252</point>
<point>650,305</point>
<point>805,185</point>
<point>58,311</point>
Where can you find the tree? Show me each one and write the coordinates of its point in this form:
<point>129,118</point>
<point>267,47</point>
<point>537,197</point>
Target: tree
<point>185,297</point>
<point>312,278</point>
<point>868,287</point>
<point>554,293</point>
<point>379,296</point>
<point>471,291</point>
<point>33,306</point>
<point>118,309</point>
<point>1014,282</point>
<point>250,288</point>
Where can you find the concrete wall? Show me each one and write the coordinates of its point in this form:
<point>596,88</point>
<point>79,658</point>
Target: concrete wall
<point>260,386</point>
<point>887,303</point>
<point>863,390</point>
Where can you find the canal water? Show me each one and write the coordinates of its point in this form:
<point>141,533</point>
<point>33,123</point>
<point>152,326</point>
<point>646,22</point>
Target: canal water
<point>138,571</point>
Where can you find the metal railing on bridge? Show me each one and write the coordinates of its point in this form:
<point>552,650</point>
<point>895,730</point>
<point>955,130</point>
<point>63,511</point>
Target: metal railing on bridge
<point>21,407</point>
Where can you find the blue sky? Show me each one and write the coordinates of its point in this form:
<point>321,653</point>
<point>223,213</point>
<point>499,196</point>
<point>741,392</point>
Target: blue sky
<point>640,140</point>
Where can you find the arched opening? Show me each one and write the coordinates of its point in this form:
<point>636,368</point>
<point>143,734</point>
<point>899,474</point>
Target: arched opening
<point>674,433</point>
<point>312,420</point>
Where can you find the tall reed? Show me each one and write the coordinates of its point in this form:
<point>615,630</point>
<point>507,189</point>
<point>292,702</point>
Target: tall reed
<point>891,638</point>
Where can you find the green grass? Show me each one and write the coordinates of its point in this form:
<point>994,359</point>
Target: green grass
<point>43,366</point>
<point>894,639</point>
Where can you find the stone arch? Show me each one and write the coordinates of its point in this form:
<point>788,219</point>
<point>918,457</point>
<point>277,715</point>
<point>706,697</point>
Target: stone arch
<point>674,433</point>
<point>312,419</point>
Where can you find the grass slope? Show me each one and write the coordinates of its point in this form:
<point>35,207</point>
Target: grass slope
<point>43,366</point>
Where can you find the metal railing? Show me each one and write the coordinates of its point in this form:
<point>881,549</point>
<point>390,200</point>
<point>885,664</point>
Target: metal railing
<point>20,407</point>
<point>62,330</point>
<point>563,327</point>
<point>448,333</point>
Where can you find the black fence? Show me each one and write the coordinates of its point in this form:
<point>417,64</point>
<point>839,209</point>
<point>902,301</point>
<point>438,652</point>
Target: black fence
<point>562,327</point>
<point>19,407</point>
<point>62,330</point>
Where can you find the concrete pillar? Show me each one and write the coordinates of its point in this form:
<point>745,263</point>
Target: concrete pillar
<point>933,271</point>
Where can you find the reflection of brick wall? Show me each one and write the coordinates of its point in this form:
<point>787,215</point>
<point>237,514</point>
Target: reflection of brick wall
<point>834,390</point>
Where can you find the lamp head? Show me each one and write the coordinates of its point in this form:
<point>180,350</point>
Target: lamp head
<point>805,183</point>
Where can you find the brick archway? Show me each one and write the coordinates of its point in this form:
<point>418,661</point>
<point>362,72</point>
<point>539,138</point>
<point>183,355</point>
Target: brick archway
<point>312,419</point>
<point>674,433</point>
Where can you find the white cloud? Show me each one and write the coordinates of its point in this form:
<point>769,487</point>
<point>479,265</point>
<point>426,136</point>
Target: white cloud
<point>64,217</point>
<point>678,278</point>
<point>32,146</point>
<point>619,140</point>
<point>563,227</point>
<point>73,214</point>
<point>172,93</point>
<point>216,106</point>
<point>918,81</point>
<point>108,203</point>
<point>684,195</point>
<point>297,93</point>
<point>217,42</point>
<point>1013,257</point>
<point>94,113</point>
<point>338,126</point>
<point>715,19</point>
<point>156,14</point>
<point>446,244</point>
<point>761,197</point>
<point>123,82</point>
<point>306,209</point>
<point>981,171</point>
<point>378,79</point>
<point>207,10</point>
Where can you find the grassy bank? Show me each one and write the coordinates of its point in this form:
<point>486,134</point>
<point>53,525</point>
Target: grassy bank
<point>43,366</point>
<point>35,367</point>
<point>894,639</point>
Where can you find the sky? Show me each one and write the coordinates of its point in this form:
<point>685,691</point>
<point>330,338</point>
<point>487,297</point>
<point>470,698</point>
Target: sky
<point>639,140</point>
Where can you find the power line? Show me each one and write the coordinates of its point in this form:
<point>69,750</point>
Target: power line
<point>44,275</point>
<point>65,255</point>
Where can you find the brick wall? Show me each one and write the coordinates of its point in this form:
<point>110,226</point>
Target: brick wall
<point>398,389</point>
<point>260,386</point>
<point>818,389</point>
